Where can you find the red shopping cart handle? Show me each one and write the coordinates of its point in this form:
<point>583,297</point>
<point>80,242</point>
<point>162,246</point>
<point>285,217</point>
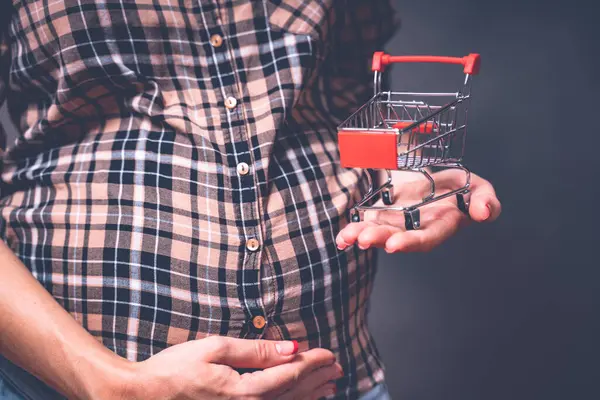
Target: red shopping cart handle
<point>427,127</point>
<point>472,62</point>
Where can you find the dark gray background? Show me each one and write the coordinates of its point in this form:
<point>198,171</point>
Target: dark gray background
<point>508,310</point>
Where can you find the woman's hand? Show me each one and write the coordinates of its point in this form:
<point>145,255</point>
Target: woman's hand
<point>204,369</point>
<point>439,220</point>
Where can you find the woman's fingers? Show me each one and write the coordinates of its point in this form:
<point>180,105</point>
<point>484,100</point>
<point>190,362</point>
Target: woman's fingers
<point>287,377</point>
<point>485,205</point>
<point>376,235</point>
<point>366,234</point>
<point>324,391</point>
<point>315,383</point>
<point>434,232</point>
<point>348,235</point>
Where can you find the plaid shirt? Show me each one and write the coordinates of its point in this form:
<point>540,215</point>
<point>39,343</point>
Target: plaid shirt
<point>177,175</point>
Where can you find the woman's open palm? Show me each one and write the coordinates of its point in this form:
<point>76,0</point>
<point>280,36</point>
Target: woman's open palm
<point>439,220</point>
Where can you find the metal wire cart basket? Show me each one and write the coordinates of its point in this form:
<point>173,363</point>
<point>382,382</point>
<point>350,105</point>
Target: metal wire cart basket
<point>408,131</point>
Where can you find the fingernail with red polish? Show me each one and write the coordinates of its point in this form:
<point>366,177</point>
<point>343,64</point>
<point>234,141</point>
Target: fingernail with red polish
<point>287,348</point>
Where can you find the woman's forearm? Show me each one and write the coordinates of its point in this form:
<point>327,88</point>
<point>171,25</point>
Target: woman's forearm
<point>37,334</point>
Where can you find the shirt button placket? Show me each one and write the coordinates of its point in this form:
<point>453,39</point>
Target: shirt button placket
<point>251,267</point>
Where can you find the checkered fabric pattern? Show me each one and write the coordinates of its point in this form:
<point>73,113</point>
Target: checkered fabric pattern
<point>177,174</point>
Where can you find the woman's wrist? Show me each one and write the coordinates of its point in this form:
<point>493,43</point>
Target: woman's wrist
<point>112,379</point>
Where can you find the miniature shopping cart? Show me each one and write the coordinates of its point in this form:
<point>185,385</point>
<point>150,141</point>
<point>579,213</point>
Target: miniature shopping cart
<point>408,131</point>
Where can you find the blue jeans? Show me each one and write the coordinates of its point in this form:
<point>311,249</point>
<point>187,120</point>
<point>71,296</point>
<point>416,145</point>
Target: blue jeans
<point>17,384</point>
<point>379,392</point>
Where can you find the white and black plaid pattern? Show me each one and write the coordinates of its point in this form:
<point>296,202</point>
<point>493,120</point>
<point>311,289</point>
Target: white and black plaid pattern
<point>122,194</point>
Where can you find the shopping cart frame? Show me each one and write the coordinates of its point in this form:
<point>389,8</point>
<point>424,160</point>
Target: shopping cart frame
<point>376,137</point>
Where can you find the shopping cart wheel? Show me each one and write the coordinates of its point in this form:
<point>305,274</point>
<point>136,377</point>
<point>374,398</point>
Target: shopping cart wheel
<point>387,195</point>
<point>463,201</point>
<point>412,219</point>
<point>354,216</point>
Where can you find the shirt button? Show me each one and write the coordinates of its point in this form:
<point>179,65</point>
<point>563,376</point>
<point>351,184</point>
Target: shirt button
<point>259,322</point>
<point>252,244</point>
<point>230,103</point>
<point>216,40</point>
<point>243,168</point>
